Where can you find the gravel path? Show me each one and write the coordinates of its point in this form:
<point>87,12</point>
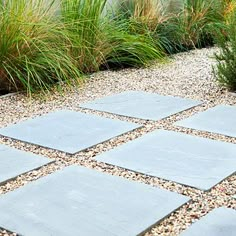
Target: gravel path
<point>185,75</point>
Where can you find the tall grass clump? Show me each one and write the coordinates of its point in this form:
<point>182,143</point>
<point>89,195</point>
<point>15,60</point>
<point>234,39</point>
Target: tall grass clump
<point>100,40</point>
<point>131,49</point>
<point>32,55</point>
<point>226,58</point>
<point>194,26</point>
<point>147,13</point>
<point>87,30</point>
<point>175,25</point>
<point>227,7</point>
<point>145,18</point>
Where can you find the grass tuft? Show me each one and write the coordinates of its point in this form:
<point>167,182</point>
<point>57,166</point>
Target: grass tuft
<point>32,55</point>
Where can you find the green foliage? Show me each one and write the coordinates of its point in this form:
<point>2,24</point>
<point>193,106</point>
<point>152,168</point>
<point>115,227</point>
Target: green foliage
<point>41,46</point>
<point>31,54</point>
<point>193,24</point>
<point>226,67</point>
<point>194,27</point>
<point>99,40</point>
<point>132,49</point>
<point>87,30</point>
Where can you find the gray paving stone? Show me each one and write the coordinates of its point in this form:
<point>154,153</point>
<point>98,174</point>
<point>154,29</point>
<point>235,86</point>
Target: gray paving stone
<point>141,105</point>
<point>219,119</point>
<point>67,131</point>
<point>186,159</point>
<point>80,201</point>
<point>14,162</point>
<point>219,222</point>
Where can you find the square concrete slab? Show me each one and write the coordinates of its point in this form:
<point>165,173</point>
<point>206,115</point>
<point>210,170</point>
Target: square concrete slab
<point>67,131</point>
<point>14,162</point>
<point>219,119</point>
<point>219,222</point>
<point>80,201</point>
<point>186,159</point>
<point>142,105</point>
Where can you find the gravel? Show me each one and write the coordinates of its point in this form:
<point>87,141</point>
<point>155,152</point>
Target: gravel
<point>187,75</point>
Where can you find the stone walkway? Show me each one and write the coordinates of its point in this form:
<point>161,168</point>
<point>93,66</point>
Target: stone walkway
<point>80,201</point>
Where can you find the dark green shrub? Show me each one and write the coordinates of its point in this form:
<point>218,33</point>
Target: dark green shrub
<point>226,58</point>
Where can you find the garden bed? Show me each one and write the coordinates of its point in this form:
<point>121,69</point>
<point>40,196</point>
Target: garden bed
<point>62,41</point>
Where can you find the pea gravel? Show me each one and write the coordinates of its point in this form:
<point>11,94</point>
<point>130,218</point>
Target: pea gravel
<point>187,75</point>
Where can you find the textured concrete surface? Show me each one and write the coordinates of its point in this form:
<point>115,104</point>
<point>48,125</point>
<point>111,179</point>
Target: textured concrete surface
<point>219,119</point>
<point>219,222</point>
<point>141,105</point>
<point>186,159</point>
<point>67,131</point>
<point>14,162</point>
<point>81,201</point>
